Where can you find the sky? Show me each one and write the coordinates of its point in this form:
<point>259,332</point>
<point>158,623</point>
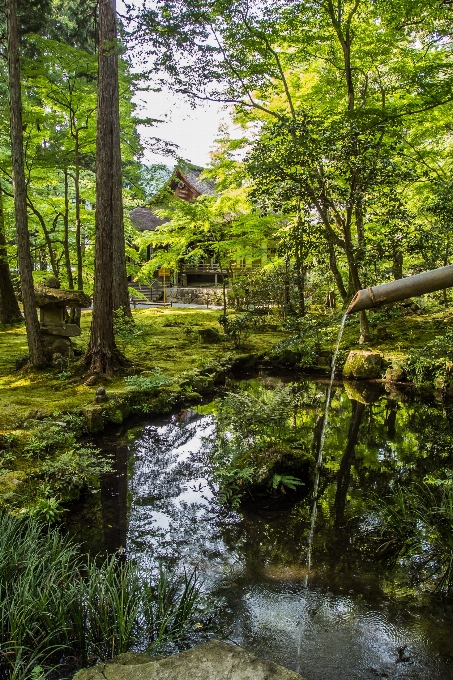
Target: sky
<point>194,130</point>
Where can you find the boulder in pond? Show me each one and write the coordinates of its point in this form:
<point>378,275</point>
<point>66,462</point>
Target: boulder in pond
<point>362,364</point>
<point>210,661</point>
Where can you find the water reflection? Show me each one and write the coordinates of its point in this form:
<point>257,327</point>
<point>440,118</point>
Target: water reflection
<point>304,594</point>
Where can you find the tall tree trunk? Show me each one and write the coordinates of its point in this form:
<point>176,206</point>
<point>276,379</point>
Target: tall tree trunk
<point>336,272</point>
<point>20,190</point>
<point>120,299</point>
<point>9,307</point>
<point>77,215</point>
<point>76,312</point>
<point>102,355</point>
<point>300,279</point>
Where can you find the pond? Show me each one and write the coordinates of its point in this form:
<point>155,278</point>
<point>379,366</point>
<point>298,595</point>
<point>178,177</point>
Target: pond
<point>298,582</point>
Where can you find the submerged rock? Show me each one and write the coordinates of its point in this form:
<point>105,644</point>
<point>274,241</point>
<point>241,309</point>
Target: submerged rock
<point>210,661</point>
<point>362,364</point>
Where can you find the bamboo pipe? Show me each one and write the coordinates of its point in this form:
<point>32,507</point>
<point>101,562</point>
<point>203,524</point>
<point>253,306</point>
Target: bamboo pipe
<point>401,289</point>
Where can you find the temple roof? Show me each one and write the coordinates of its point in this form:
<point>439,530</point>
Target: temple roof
<point>191,175</point>
<point>145,219</point>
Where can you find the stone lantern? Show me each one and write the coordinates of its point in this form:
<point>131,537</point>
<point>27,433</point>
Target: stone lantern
<point>52,303</point>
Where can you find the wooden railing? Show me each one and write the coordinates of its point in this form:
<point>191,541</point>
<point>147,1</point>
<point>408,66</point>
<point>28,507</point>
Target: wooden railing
<point>216,268</point>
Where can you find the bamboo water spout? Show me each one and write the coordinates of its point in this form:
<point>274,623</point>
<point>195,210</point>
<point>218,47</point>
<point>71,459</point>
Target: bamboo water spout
<point>401,289</point>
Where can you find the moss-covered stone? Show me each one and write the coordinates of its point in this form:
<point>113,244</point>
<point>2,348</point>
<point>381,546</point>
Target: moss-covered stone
<point>395,374</point>
<point>94,419</point>
<point>362,364</point>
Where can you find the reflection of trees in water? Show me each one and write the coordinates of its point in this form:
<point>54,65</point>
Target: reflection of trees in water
<point>344,471</point>
<point>173,516</point>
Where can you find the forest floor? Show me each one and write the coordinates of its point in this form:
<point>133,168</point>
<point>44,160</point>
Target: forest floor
<point>169,339</point>
<point>41,421</point>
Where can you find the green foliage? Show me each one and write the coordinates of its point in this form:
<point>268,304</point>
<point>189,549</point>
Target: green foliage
<point>171,609</point>
<point>237,327</point>
<point>432,365</point>
<point>415,528</point>
<point>73,469</point>
<point>47,510</point>
<point>285,480</point>
<point>256,432</point>
<point>58,608</point>
<point>147,381</point>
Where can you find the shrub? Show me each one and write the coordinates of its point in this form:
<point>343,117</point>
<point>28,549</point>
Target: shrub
<point>431,364</point>
<point>147,381</point>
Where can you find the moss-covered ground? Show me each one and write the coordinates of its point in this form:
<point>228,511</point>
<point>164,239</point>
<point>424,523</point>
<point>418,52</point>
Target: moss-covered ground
<point>166,338</point>
<point>36,449</point>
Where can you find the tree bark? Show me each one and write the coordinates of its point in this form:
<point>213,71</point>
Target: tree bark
<point>9,307</point>
<point>102,355</point>
<point>20,190</point>
<point>120,286</point>
<point>67,255</point>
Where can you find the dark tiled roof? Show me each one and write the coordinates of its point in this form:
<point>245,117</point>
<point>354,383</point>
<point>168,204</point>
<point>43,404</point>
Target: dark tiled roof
<point>144,219</point>
<point>192,175</point>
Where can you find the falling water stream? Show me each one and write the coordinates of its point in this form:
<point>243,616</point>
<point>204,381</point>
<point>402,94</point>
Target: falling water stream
<point>321,443</point>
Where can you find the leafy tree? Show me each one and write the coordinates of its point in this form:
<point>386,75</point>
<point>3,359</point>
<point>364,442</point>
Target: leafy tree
<point>20,192</point>
<point>276,62</point>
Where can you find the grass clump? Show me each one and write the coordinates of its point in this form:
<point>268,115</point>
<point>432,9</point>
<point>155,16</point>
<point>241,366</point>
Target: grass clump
<point>414,530</point>
<point>61,610</point>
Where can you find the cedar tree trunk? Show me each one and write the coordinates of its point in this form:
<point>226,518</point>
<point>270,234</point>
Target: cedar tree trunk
<point>9,307</point>
<point>102,355</point>
<point>120,296</point>
<point>20,190</point>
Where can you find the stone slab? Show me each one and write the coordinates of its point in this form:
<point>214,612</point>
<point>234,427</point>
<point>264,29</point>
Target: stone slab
<point>210,661</point>
<point>64,298</point>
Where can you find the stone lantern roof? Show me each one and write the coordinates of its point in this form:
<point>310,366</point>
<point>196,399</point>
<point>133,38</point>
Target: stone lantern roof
<point>45,295</point>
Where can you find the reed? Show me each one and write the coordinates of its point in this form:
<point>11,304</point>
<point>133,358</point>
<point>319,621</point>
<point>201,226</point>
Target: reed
<point>57,604</point>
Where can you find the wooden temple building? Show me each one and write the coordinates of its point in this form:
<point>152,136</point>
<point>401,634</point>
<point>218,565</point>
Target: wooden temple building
<point>185,183</point>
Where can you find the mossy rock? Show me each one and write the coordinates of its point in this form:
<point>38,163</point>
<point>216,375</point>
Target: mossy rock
<point>209,336</point>
<point>94,419</point>
<point>395,374</point>
<point>363,364</point>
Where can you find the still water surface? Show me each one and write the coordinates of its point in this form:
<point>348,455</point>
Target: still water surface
<point>313,603</point>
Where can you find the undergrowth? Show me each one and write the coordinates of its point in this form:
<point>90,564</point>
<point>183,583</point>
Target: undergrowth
<point>61,610</point>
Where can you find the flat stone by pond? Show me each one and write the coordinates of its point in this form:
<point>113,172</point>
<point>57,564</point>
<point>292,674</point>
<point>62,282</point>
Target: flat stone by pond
<point>210,661</point>
<point>296,587</point>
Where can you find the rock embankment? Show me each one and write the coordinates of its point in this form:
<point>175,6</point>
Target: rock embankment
<point>210,661</point>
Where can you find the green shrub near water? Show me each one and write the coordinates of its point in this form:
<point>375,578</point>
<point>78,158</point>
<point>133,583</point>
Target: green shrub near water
<point>257,444</point>
<point>414,529</point>
<point>60,611</point>
<point>432,365</point>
